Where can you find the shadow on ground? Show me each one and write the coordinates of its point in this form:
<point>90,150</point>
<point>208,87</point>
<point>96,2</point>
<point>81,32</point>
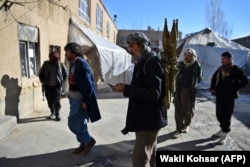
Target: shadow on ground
<point>34,119</point>
<point>111,155</point>
<point>194,145</point>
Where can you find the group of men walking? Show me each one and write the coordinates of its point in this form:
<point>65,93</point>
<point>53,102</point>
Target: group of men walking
<point>145,92</point>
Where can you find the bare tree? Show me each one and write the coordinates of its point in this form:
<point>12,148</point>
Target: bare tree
<point>216,19</point>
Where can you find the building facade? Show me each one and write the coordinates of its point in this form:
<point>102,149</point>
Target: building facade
<point>154,36</point>
<point>29,30</point>
<point>244,41</point>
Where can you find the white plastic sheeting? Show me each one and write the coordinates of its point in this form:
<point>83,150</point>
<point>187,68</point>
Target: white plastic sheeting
<point>109,61</point>
<point>210,56</point>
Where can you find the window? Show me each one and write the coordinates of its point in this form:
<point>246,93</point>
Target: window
<point>107,29</point>
<point>99,15</point>
<point>84,10</point>
<point>28,58</point>
<point>22,47</point>
<point>28,49</point>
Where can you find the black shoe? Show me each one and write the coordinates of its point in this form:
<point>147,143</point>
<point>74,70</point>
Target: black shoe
<point>79,149</point>
<point>58,118</point>
<point>124,131</point>
<point>89,146</point>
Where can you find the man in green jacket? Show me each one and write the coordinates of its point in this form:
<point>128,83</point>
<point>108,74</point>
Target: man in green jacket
<point>187,79</point>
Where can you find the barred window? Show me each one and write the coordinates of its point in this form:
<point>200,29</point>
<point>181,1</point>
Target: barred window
<point>28,49</point>
<point>107,30</point>
<point>84,10</point>
<point>99,18</point>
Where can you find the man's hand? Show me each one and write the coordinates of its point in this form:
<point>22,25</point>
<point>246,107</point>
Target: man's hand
<point>213,92</point>
<point>118,87</point>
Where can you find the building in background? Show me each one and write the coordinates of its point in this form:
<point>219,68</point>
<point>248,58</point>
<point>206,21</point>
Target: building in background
<point>244,41</point>
<point>29,30</point>
<point>209,45</point>
<point>155,37</point>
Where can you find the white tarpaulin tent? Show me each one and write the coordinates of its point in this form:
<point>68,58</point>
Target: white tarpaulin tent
<point>108,61</point>
<point>209,46</point>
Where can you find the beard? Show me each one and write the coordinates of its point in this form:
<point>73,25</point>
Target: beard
<point>53,61</point>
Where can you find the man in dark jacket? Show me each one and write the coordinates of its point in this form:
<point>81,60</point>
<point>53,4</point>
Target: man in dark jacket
<point>144,116</point>
<point>225,83</point>
<point>53,75</point>
<point>82,97</point>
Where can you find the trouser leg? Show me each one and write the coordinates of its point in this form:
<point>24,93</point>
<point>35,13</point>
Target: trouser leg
<point>188,107</point>
<point>53,96</point>
<point>57,101</point>
<point>50,98</point>
<point>184,109</point>
<point>77,121</point>
<point>145,149</point>
<point>178,116</point>
<point>224,111</point>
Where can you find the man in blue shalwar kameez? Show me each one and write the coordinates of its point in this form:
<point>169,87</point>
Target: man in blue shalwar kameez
<point>82,98</point>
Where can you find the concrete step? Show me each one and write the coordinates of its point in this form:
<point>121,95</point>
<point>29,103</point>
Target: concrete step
<point>7,124</point>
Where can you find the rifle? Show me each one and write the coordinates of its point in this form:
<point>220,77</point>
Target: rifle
<point>43,91</point>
